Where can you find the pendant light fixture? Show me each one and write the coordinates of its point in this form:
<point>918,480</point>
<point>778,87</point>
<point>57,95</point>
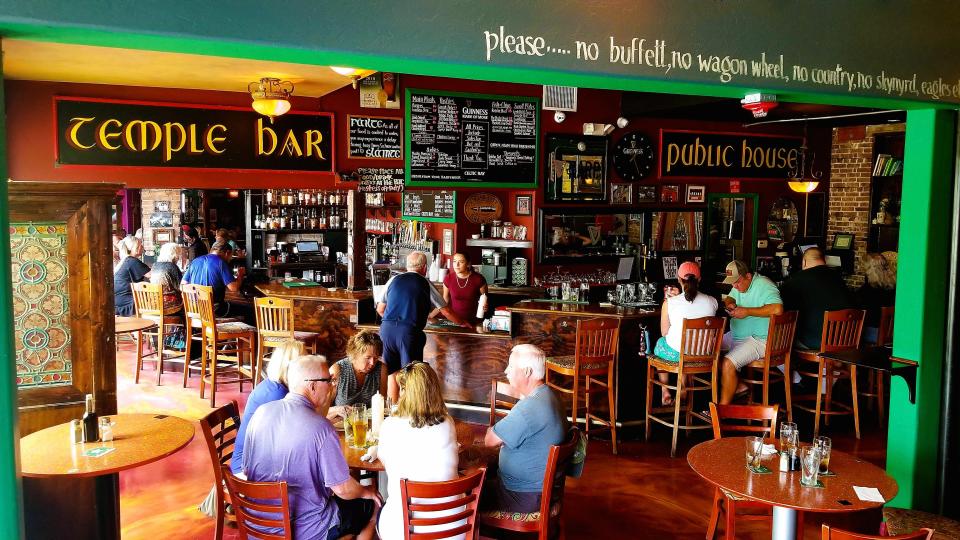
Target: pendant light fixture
<point>803,179</point>
<point>271,96</point>
<point>355,74</point>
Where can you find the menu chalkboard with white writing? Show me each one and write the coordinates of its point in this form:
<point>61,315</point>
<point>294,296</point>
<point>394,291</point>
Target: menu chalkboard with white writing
<point>374,137</point>
<point>437,206</point>
<point>457,139</point>
<point>380,180</point>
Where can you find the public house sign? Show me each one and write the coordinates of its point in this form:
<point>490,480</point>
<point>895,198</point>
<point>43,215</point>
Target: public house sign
<point>134,134</point>
<point>698,154</point>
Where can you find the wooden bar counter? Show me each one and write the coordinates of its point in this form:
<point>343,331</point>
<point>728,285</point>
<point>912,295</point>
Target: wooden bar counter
<point>333,314</point>
<point>552,326</point>
<point>466,360</point>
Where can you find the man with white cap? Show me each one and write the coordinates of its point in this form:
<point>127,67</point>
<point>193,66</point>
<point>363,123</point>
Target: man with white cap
<point>752,301</point>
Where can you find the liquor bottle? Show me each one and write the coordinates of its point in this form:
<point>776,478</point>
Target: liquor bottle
<point>90,422</point>
<point>269,196</point>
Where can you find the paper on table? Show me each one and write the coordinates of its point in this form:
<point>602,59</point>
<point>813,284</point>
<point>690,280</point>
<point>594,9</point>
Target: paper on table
<point>869,494</point>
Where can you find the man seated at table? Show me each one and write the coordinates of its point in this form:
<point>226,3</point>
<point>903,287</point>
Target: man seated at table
<point>291,440</point>
<point>814,290</point>
<point>524,436</point>
<point>213,270</point>
<point>752,300</point>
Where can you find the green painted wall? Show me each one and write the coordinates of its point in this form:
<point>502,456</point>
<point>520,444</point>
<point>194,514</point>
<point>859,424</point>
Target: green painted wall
<point>920,326</point>
<point>11,511</point>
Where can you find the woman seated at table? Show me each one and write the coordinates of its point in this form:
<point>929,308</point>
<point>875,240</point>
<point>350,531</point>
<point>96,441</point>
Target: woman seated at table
<point>462,289</point>
<point>692,304</point>
<point>129,270</point>
<point>879,291</point>
<point>360,375</point>
<point>419,442</point>
<point>167,274</point>
<point>273,388</point>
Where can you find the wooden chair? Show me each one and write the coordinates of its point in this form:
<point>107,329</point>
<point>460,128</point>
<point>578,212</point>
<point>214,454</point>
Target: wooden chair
<point>268,499</point>
<point>545,522</point>
<point>502,396</point>
<point>738,420</point>
<point>699,352</point>
<point>275,325</point>
<point>191,312</point>
<point>779,344</point>
<point>148,301</point>
<point>876,380</point>
<point>220,431</point>
<point>223,343</point>
<point>826,533</point>
<point>841,331</point>
<point>418,497</point>
<point>594,359</point>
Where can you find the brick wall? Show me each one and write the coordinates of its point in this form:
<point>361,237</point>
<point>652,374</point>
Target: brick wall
<point>851,166</point>
<point>148,199</point>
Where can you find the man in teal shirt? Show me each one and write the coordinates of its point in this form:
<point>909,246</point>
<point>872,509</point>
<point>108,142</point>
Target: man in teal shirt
<point>752,300</point>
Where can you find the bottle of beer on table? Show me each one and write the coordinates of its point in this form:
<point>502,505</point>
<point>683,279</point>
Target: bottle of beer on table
<point>90,427</point>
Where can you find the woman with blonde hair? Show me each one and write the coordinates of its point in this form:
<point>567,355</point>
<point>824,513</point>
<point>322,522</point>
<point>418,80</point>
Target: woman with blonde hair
<point>360,375</point>
<point>880,290</point>
<point>418,443</point>
<point>272,388</point>
<point>167,274</point>
<point>129,270</point>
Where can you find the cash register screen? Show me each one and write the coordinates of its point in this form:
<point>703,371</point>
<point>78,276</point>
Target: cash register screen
<point>308,247</point>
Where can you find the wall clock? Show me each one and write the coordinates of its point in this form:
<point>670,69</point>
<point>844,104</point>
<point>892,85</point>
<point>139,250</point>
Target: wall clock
<point>633,156</point>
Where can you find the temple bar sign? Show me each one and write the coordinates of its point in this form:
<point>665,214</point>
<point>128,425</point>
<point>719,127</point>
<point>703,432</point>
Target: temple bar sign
<point>134,134</point>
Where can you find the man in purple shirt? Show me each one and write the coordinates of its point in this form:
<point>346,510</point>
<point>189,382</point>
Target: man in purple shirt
<point>291,440</point>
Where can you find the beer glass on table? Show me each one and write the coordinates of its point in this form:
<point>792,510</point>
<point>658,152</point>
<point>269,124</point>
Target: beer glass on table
<point>823,444</point>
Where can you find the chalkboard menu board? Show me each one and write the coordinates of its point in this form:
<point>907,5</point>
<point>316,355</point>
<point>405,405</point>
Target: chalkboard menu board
<point>430,205</point>
<point>457,139</point>
<point>380,180</point>
<point>374,137</point>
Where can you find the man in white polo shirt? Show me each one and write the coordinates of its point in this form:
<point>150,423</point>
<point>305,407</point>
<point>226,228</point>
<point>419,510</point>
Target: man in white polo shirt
<point>752,300</point>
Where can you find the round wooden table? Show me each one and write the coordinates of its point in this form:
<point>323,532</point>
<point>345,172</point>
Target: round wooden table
<point>722,463</point>
<point>138,439</point>
<point>471,455</point>
<point>123,325</point>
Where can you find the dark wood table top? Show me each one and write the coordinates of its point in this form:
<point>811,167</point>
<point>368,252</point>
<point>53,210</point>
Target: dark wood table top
<point>471,455</point>
<point>138,439</point>
<point>448,330</point>
<point>123,325</point>
<point>880,359</point>
<point>312,293</point>
<point>722,463</point>
<point>585,310</point>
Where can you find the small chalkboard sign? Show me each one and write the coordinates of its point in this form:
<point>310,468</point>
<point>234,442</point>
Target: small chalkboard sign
<point>380,180</point>
<point>439,206</point>
<point>375,137</point>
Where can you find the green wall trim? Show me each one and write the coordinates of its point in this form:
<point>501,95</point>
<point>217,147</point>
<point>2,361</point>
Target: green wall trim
<point>920,327</point>
<point>11,512</point>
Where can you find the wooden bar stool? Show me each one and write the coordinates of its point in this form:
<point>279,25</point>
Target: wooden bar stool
<point>841,332</point>
<point>779,344</point>
<point>595,355</point>
<point>875,379</point>
<point>275,325</point>
<point>191,312</point>
<point>223,343</point>
<point>148,300</point>
<point>699,352</point>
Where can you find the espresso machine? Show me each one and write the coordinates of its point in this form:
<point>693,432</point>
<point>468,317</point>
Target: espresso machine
<point>493,265</point>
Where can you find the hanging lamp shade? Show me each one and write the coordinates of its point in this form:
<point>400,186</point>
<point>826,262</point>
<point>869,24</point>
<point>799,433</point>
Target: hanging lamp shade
<point>271,96</point>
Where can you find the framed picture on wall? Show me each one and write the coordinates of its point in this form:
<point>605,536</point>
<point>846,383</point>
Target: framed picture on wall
<point>696,194</point>
<point>669,193</point>
<point>524,206</point>
<point>645,193</point>
<point>162,236</point>
<point>621,193</point>
<point>448,241</point>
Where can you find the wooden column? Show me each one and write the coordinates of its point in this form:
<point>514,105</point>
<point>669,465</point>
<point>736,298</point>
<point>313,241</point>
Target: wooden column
<point>356,241</point>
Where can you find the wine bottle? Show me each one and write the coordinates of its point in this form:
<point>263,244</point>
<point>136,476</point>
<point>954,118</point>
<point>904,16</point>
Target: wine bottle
<point>90,426</point>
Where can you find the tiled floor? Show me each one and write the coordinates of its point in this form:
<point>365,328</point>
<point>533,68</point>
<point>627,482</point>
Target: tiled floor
<point>642,493</point>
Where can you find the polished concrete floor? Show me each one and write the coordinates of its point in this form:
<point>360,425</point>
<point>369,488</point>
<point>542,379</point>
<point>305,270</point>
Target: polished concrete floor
<point>641,493</point>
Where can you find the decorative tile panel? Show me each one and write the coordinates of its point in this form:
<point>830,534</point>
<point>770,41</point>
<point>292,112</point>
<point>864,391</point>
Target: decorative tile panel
<point>41,304</point>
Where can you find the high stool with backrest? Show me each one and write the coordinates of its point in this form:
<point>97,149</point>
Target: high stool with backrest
<point>191,307</point>
<point>545,522</point>
<point>739,420</point>
<point>275,325</point>
<point>148,300</point>
<point>452,494</point>
<point>263,504</point>
<point>876,379</point>
<point>779,344</point>
<point>223,343</point>
<point>502,396</point>
<point>220,432</point>
<point>841,332</point>
<point>699,351</point>
<point>595,355</point>
<point>827,533</point>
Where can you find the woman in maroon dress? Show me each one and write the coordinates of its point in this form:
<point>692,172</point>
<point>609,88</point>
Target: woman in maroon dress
<point>462,288</point>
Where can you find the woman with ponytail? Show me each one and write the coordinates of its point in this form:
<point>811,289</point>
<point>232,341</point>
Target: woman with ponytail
<point>691,304</point>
